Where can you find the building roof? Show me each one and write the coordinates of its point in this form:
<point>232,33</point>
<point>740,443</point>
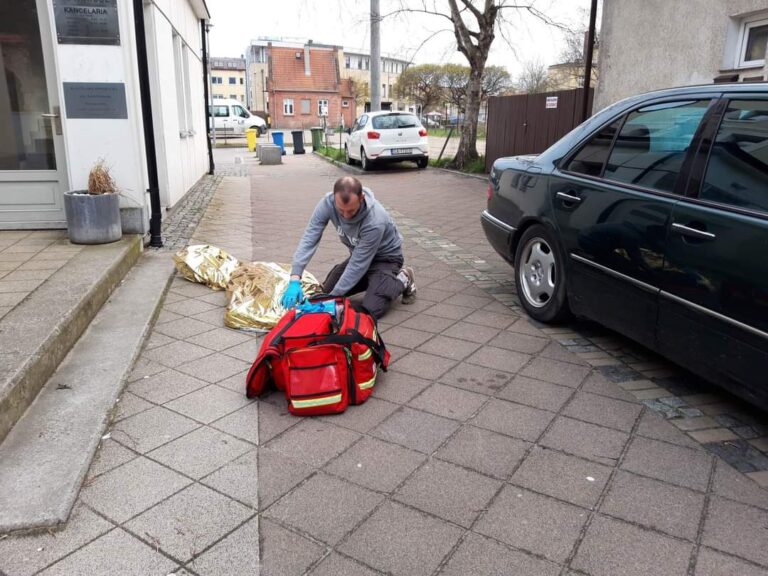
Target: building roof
<point>287,70</point>
<point>227,63</point>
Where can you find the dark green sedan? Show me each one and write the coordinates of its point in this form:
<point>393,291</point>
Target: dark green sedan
<point>652,219</point>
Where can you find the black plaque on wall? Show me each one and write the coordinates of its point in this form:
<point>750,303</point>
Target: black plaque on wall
<point>95,100</point>
<point>87,22</point>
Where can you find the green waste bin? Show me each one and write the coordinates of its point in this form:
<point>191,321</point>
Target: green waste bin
<point>317,138</point>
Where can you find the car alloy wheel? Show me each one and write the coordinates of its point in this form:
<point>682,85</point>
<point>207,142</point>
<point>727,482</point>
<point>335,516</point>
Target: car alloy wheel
<point>537,274</point>
<point>540,275</point>
<point>364,160</point>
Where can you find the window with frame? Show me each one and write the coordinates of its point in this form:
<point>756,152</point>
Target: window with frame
<point>220,111</point>
<point>216,79</point>
<point>288,106</point>
<point>347,62</point>
<point>754,39</point>
<point>590,159</point>
<point>322,107</point>
<point>737,171</point>
<point>242,81</point>
<point>652,144</point>
<point>306,106</point>
<point>345,103</point>
<point>232,80</point>
<point>183,99</point>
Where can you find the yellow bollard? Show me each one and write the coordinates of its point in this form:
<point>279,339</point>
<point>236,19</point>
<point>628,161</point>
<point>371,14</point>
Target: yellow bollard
<point>250,135</point>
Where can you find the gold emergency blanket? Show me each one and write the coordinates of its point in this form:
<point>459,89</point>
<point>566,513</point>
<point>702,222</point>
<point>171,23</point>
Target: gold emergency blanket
<point>254,294</point>
<point>206,264</point>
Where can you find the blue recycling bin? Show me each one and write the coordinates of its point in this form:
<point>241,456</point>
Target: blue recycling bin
<point>277,138</point>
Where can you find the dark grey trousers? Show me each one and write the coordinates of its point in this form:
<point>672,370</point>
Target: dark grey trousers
<point>380,285</point>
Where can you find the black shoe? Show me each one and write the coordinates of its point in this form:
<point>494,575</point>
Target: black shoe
<point>409,294</point>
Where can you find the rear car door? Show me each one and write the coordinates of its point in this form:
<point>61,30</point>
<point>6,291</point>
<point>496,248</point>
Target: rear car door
<point>713,314</point>
<point>355,136</point>
<point>612,202</point>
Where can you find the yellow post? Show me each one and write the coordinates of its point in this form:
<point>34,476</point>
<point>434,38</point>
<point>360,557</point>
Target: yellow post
<point>250,135</point>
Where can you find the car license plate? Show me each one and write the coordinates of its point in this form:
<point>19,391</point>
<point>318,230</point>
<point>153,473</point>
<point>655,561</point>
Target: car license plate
<point>401,151</point>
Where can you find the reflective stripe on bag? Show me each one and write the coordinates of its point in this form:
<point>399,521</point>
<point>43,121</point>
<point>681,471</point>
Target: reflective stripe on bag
<point>313,402</point>
<point>365,355</point>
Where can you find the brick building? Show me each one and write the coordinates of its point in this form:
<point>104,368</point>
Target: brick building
<point>305,86</point>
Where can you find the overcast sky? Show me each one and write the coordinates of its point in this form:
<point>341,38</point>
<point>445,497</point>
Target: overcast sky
<point>420,38</point>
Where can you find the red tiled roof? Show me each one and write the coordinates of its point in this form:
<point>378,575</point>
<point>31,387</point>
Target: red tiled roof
<point>287,71</point>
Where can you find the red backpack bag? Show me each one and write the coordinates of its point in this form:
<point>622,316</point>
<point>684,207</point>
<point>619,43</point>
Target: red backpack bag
<point>323,362</point>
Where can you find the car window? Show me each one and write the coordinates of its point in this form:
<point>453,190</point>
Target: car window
<point>395,121</point>
<point>652,144</point>
<point>737,173</point>
<point>220,111</point>
<point>362,122</point>
<point>240,111</point>
<point>592,156</point>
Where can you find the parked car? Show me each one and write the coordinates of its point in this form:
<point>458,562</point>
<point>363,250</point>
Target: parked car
<point>231,116</point>
<point>652,219</point>
<point>379,137</point>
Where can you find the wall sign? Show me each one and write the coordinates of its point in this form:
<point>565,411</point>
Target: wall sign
<point>551,102</point>
<point>105,100</point>
<point>87,22</point>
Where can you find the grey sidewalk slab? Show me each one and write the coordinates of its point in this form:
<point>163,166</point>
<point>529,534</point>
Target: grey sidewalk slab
<point>39,331</point>
<point>45,457</point>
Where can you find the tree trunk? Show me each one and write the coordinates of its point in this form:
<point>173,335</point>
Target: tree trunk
<point>467,151</point>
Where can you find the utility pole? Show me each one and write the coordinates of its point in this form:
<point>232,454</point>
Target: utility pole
<point>375,57</point>
<point>588,60</point>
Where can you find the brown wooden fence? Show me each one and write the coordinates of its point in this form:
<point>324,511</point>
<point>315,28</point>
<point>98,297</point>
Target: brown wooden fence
<point>530,123</point>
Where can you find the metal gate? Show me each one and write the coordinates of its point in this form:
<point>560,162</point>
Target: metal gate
<point>530,123</point>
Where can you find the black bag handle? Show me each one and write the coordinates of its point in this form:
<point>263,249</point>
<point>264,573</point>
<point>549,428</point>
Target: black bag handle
<point>352,336</point>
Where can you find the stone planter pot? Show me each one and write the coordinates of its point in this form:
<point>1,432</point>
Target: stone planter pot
<point>92,218</point>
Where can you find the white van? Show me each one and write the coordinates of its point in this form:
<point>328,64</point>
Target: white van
<point>231,117</point>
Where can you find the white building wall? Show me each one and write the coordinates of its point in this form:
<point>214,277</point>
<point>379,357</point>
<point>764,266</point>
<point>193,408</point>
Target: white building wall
<point>118,142</point>
<point>182,154</point>
<point>657,44</point>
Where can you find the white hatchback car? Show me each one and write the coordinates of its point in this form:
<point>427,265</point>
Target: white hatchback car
<point>387,136</point>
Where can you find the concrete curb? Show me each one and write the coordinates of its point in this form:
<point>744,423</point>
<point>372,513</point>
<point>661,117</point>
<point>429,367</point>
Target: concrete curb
<point>353,169</point>
<point>37,334</point>
<point>46,456</point>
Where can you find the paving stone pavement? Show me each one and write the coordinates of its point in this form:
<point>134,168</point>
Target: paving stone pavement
<point>488,447</point>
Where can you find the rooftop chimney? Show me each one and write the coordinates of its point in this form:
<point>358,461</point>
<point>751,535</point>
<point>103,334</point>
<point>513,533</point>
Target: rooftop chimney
<point>307,69</point>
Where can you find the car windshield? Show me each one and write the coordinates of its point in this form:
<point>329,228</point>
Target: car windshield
<point>392,121</point>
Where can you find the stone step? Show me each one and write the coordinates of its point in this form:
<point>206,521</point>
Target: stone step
<point>39,332</point>
<point>45,457</point>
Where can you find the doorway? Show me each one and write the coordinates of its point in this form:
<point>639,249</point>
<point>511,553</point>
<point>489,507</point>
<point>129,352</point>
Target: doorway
<point>32,162</point>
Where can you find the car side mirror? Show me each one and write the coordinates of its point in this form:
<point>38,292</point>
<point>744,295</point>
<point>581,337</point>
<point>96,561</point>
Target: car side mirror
<point>348,130</point>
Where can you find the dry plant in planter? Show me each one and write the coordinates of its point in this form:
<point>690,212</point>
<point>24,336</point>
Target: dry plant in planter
<point>93,215</point>
<point>100,181</point>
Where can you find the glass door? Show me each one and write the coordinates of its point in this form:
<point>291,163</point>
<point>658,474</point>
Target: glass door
<point>32,164</point>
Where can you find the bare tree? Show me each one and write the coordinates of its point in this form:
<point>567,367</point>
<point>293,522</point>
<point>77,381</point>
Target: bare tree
<point>421,84</point>
<point>496,80</point>
<point>474,24</point>
<point>570,69</point>
<point>456,81</point>
<point>534,78</point>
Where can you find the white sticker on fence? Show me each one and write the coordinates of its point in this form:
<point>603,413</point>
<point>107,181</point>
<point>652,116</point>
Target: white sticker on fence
<point>551,101</point>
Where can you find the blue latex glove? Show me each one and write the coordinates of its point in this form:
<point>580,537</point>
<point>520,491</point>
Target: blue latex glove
<point>293,294</point>
<point>329,307</point>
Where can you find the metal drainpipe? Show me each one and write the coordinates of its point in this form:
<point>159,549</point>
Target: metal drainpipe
<point>206,105</point>
<point>156,218</point>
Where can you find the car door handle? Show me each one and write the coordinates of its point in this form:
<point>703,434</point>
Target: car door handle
<point>692,232</point>
<point>568,197</point>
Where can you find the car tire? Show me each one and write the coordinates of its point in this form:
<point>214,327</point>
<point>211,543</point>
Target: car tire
<point>366,163</point>
<point>540,276</point>
<point>422,162</point>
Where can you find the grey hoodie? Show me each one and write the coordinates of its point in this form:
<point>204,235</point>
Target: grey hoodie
<point>370,235</point>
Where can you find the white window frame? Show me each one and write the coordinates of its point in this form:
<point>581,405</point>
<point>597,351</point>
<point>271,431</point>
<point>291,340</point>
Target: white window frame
<point>746,25</point>
<point>288,107</point>
<point>320,104</point>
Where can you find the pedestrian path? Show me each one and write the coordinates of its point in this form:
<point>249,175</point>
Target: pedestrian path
<point>488,447</point>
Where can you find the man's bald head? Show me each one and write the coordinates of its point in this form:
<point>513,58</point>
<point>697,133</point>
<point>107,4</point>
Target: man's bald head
<point>348,196</point>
